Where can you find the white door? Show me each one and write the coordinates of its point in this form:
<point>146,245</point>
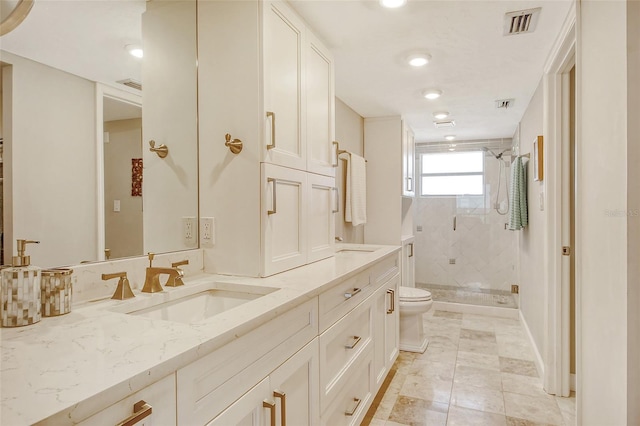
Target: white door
<point>323,203</point>
<point>283,86</point>
<point>294,388</point>
<point>249,410</point>
<point>320,107</point>
<point>283,218</point>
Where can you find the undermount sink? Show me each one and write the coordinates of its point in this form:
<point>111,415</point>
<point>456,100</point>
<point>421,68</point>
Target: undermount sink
<point>354,250</point>
<point>199,304</point>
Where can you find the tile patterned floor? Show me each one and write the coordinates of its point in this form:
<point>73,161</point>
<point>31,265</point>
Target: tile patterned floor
<point>477,370</point>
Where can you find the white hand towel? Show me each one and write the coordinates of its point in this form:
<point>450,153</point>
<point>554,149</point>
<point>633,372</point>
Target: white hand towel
<point>356,191</point>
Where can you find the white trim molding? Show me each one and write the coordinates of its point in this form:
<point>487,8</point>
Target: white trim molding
<point>536,352</point>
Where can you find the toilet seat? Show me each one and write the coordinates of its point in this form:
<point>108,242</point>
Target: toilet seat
<point>411,294</point>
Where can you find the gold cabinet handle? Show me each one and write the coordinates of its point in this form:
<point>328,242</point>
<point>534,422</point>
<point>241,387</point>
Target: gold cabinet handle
<point>352,293</point>
<point>411,245</point>
<point>274,197</point>
<point>272,409</point>
<point>336,200</point>
<point>356,340</point>
<point>283,408</point>
<point>393,301</point>
<point>355,408</point>
<point>141,410</point>
<point>273,129</point>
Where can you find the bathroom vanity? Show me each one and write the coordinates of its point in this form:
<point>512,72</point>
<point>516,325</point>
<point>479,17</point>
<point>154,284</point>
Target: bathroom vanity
<point>313,344</point>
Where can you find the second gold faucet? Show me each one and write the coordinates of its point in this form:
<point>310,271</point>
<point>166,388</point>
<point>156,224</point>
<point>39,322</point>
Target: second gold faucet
<point>152,277</point>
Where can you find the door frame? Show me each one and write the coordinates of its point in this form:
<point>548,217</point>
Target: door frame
<point>556,348</point>
<point>104,91</point>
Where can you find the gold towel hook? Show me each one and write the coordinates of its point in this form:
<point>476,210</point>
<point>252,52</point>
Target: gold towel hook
<point>234,145</point>
<point>162,150</point>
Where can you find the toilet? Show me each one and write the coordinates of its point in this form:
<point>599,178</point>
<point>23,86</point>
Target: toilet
<point>414,302</point>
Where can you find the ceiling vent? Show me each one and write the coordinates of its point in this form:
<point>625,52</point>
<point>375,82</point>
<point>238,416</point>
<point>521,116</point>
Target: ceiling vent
<point>131,83</point>
<point>521,21</point>
<point>504,103</point>
<point>444,124</point>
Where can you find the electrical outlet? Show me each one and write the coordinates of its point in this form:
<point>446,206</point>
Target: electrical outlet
<point>207,231</point>
<point>188,229</point>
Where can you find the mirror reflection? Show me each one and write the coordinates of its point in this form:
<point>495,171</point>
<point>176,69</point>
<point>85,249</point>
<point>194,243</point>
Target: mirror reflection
<point>78,112</point>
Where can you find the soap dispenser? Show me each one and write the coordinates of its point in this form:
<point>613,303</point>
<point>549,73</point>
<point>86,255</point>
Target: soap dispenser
<point>20,298</point>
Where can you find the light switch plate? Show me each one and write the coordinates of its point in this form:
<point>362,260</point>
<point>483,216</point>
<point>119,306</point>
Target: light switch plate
<point>116,205</point>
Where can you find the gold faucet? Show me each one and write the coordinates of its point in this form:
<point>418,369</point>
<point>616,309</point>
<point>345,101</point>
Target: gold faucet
<point>176,281</point>
<point>152,278</point>
<point>123,290</point>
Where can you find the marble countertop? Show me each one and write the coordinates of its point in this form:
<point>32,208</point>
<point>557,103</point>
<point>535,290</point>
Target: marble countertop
<point>71,366</point>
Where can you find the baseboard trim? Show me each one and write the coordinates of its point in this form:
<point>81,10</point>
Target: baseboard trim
<point>493,311</point>
<point>538,358</point>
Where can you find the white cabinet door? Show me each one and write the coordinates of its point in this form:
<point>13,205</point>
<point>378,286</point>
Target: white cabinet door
<point>386,328</point>
<point>283,219</point>
<point>392,321</point>
<point>408,264</point>
<point>408,162</point>
<point>323,203</point>
<point>249,410</point>
<point>320,107</point>
<point>294,388</point>
<point>283,86</point>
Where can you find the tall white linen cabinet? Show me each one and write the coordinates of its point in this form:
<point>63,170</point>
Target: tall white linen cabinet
<point>266,79</point>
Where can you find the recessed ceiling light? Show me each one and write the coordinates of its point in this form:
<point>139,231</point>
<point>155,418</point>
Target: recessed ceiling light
<point>452,149</point>
<point>392,4</point>
<point>441,114</point>
<point>419,59</point>
<point>432,94</point>
<point>450,137</point>
<point>134,50</point>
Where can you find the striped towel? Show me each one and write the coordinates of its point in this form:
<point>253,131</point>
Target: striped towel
<point>518,217</point>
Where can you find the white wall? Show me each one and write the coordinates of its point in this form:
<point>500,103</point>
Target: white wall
<point>350,134</point>
<point>605,145</point>
<point>531,247</point>
<point>169,74</point>
<point>49,132</point>
<point>633,205</point>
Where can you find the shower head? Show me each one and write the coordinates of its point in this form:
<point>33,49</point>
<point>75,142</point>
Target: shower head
<point>498,156</point>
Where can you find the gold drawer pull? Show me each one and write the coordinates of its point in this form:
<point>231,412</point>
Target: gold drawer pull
<point>352,412</point>
<point>272,410</point>
<point>283,407</point>
<point>352,293</point>
<point>393,301</point>
<point>356,340</point>
<point>274,196</point>
<point>141,410</point>
<point>273,129</point>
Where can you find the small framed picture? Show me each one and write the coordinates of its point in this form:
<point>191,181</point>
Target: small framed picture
<point>538,159</point>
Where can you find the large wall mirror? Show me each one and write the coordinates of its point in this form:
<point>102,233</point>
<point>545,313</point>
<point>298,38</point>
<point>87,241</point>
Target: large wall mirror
<point>78,114</point>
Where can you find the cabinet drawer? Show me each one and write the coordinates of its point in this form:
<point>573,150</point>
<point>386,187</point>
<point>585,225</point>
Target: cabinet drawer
<point>340,299</point>
<point>340,347</point>
<point>352,402</point>
<point>212,383</point>
<point>385,269</point>
<point>160,396</point>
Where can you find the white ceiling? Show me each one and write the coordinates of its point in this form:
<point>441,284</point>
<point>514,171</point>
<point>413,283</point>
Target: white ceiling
<point>472,62</point>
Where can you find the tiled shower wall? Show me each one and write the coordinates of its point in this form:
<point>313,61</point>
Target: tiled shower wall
<point>484,252</point>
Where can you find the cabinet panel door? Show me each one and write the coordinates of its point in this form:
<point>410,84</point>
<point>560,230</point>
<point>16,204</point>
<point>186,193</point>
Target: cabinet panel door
<point>283,86</point>
<point>323,203</point>
<point>294,387</point>
<point>408,162</point>
<point>284,227</point>
<point>248,410</point>
<point>320,107</point>
<point>392,321</point>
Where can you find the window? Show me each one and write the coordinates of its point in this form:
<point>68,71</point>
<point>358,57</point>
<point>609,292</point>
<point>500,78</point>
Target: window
<point>452,173</point>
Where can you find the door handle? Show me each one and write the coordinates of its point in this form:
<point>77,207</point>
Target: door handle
<point>273,129</point>
<point>393,301</point>
<point>274,197</point>
<point>336,200</point>
<point>455,220</point>
<point>283,409</point>
<point>272,410</point>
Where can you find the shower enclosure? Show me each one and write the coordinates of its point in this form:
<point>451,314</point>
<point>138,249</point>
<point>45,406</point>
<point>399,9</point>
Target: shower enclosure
<point>464,253</point>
